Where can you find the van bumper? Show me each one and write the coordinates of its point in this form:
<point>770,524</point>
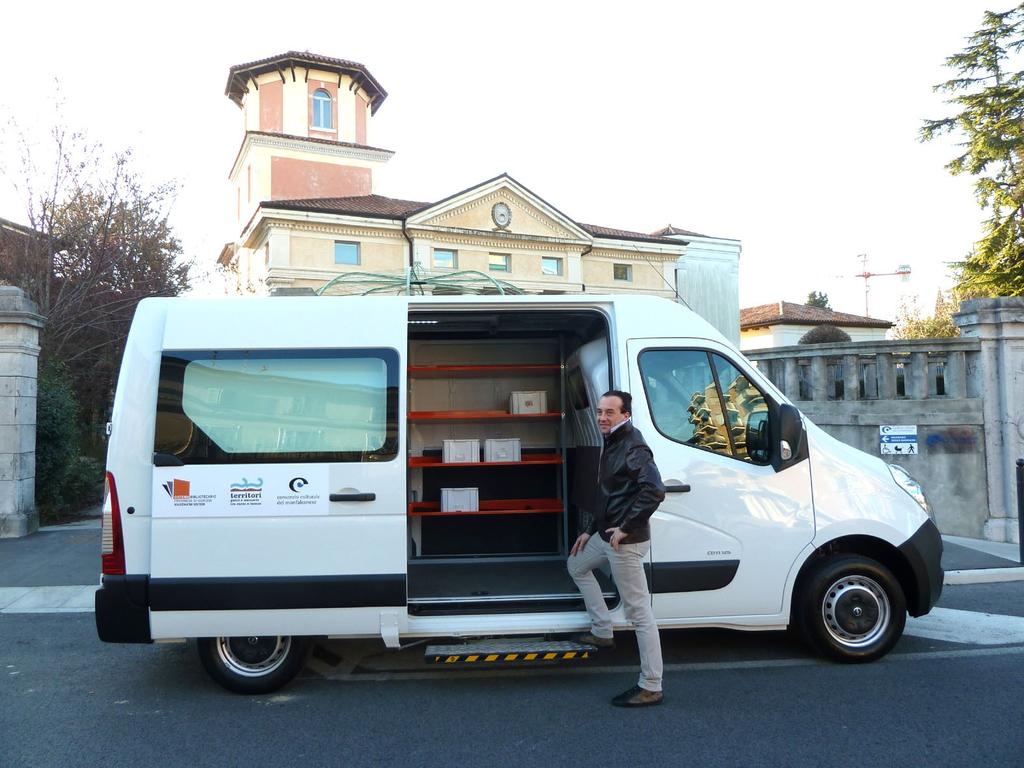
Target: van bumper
<point>122,610</point>
<point>923,553</point>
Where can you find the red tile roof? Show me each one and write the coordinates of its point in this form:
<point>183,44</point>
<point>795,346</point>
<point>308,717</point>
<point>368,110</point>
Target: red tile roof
<point>377,206</point>
<point>786,312</point>
<point>374,206</point>
<point>283,62</point>
<point>670,230</point>
<point>625,234</point>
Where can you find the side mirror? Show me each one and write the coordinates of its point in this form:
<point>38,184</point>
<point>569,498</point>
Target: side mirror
<point>791,432</point>
<point>758,441</point>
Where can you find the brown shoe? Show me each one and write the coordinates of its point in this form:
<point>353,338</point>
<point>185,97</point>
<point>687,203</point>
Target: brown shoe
<point>607,643</point>
<point>638,697</point>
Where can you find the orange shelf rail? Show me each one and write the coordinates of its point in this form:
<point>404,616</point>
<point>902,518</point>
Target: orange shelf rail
<point>529,459</point>
<point>445,371</point>
<point>480,416</point>
<point>493,507</point>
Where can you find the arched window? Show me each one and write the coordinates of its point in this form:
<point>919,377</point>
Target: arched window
<point>322,109</point>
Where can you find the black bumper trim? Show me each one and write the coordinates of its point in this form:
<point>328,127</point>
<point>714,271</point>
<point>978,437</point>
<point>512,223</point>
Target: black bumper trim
<point>277,592</point>
<point>690,576</point>
<point>122,614</point>
<point>923,553</point>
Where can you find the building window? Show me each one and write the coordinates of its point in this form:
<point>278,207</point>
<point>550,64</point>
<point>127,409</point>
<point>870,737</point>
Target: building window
<point>500,262</point>
<point>346,253</point>
<point>322,113</point>
<point>445,259</point>
<point>550,265</point>
<point>623,272</point>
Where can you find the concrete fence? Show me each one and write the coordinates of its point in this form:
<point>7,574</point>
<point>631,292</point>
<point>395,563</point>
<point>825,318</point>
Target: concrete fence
<point>20,322</point>
<point>965,396</point>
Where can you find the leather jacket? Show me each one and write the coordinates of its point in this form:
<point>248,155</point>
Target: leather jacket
<point>629,486</point>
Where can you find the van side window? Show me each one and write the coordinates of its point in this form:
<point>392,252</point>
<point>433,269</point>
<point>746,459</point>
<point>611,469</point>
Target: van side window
<point>708,405</point>
<point>278,406</point>
<point>745,408</point>
<point>683,399</point>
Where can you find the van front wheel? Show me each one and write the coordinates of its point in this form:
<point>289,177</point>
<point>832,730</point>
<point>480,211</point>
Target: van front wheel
<point>851,608</point>
<point>253,664</point>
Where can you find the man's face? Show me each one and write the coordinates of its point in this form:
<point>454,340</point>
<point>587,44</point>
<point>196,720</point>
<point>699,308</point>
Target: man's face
<point>609,413</point>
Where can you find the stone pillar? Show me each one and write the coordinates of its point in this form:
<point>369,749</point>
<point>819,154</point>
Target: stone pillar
<point>791,378</point>
<point>956,375</point>
<point>999,324</point>
<point>917,376</point>
<point>886,372</point>
<point>19,357</point>
<point>851,377</point>
<point>819,378</point>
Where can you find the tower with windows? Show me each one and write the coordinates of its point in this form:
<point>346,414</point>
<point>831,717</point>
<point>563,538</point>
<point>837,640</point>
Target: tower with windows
<point>305,119</point>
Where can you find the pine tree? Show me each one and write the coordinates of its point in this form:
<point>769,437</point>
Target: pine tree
<point>817,299</point>
<point>989,92</point>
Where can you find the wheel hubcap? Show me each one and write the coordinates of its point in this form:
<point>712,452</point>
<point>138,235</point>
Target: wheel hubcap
<point>856,611</point>
<point>253,656</point>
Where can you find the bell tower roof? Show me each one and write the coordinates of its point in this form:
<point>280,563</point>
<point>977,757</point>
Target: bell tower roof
<point>287,63</point>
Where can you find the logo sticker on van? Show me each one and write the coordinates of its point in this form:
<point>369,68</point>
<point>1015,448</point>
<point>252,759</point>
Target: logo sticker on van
<point>246,493</point>
<point>241,490</point>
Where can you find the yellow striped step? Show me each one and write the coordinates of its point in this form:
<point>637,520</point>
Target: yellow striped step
<point>491,652</point>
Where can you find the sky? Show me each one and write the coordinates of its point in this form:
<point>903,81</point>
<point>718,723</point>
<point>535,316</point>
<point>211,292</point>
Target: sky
<point>790,126</point>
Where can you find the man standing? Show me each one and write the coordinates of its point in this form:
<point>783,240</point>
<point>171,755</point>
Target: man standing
<point>630,491</point>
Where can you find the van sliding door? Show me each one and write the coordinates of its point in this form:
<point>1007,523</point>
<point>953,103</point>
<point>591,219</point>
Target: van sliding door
<point>279,481</point>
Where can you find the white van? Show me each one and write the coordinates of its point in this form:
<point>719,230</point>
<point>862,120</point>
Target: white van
<point>276,472</point>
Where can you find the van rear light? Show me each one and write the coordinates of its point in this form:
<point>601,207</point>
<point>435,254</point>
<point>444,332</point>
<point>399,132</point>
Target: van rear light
<point>113,539</point>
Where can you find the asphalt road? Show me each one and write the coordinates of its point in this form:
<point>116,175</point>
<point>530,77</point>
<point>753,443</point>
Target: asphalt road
<point>731,699</point>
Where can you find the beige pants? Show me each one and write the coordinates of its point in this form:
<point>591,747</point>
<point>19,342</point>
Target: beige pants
<point>627,567</point>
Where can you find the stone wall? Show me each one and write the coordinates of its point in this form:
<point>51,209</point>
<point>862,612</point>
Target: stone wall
<point>19,355</point>
<point>965,395</point>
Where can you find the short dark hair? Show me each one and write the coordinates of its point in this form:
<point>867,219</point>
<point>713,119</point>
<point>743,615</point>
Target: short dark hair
<point>625,397</point>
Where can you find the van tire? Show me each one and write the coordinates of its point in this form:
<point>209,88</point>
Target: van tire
<point>254,664</point>
<point>851,609</point>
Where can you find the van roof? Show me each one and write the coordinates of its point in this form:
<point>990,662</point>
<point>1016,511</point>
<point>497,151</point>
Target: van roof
<point>233,322</point>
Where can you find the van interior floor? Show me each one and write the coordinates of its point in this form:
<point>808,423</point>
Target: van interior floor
<point>483,586</point>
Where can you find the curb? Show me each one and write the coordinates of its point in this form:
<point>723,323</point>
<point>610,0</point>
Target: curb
<point>984,576</point>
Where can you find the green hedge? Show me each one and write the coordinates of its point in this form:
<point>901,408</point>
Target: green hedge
<point>65,479</point>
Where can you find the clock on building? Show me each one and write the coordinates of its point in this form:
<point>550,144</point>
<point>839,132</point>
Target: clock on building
<point>501,214</point>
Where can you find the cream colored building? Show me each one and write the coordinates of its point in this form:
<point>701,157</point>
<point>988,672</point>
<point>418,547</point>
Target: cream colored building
<point>783,324</point>
<point>307,209</point>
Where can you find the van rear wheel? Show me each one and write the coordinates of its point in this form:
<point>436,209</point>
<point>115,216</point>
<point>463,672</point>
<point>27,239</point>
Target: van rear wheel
<point>255,663</point>
<point>851,608</point>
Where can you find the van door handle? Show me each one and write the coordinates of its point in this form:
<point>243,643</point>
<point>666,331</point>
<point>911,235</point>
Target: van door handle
<point>677,488</point>
<point>353,496</point>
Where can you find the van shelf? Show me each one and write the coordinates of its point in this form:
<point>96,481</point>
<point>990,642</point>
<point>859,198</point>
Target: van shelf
<point>493,507</point>
<point>529,459</point>
<point>469,371</point>
<point>481,416</point>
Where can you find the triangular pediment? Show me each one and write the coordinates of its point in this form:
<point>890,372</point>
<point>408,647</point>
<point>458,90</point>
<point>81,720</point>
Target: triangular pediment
<point>484,208</point>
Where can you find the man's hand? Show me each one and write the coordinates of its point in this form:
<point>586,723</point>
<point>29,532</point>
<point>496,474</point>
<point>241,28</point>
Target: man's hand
<point>617,536</point>
<point>581,542</point>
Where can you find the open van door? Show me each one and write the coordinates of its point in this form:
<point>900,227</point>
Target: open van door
<point>735,518</point>
<point>278,480</point>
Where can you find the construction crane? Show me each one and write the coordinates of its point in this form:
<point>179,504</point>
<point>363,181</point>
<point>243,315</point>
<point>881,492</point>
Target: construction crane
<point>903,270</point>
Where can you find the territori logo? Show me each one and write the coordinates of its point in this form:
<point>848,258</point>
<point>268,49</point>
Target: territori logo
<point>297,484</point>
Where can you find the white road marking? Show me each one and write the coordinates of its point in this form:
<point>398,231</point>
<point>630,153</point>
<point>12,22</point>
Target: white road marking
<point>968,627</point>
<point>983,576</point>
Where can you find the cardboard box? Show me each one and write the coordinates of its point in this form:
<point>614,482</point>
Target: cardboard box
<point>460,499</point>
<point>528,402</point>
<point>503,449</point>
<point>460,451</point>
